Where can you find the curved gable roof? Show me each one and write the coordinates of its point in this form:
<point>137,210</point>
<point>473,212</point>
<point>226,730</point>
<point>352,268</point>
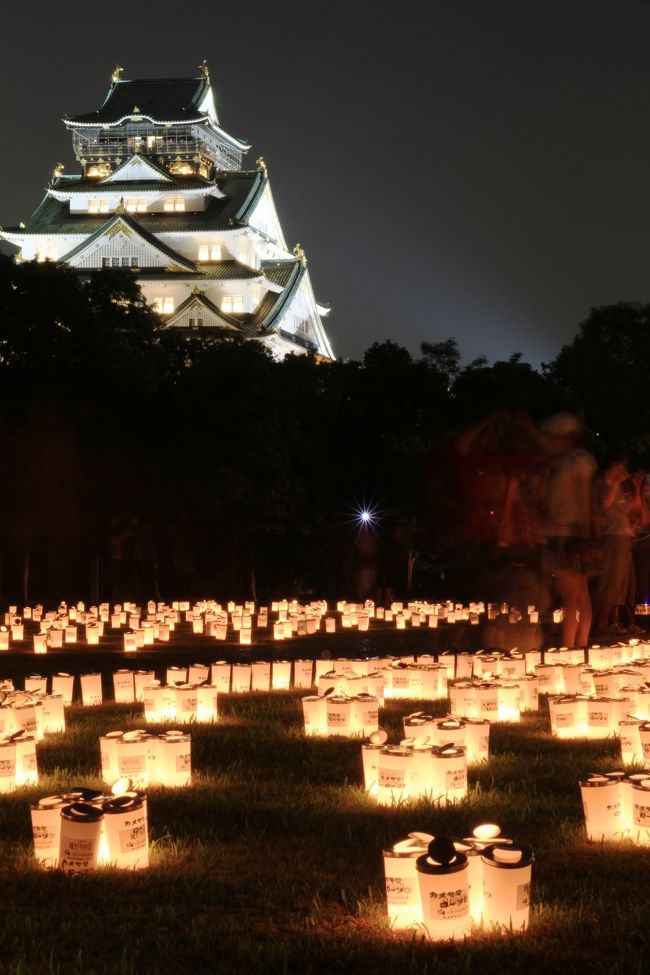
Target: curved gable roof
<point>162,99</point>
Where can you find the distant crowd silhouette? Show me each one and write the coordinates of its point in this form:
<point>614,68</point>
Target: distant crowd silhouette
<point>532,498</point>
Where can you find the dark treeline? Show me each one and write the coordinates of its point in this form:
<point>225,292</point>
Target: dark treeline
<point>140,462</point>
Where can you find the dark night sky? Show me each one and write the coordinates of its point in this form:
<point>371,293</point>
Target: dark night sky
<point>462,168</point>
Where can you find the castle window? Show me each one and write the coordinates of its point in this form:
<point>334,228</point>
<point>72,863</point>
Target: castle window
<point>135,262</point>
<point>232,303</point>
<point>215,252</point>
<point>136,206</point>
<point>97,206</point>
<point>195,322</point>
<point>172,203</point>
<point>204,252</point>
<point>106,262</point>
<point>163,305</point>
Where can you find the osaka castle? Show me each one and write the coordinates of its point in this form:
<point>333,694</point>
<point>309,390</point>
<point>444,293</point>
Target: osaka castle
<point>162,191</point>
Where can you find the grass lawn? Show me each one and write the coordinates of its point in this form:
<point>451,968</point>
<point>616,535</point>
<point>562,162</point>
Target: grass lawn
<point>272,860</point>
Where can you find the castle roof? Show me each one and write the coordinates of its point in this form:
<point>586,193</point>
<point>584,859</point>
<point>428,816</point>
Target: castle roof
<point>160,99</point>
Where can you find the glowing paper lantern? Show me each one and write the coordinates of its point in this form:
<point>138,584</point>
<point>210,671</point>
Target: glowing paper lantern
<point>125,828</point>
<point>507,872</point>
<point>370,761</point>
<point>602,807</point>
<point>36,683</point>
<point>449,773</point>
<point>53,713</point>
<point>91,689</point>
<point>241,678</point>
<point>123,687</point>
<point>176,675</point>
<point>396,774</point>
<point>444,890</point>
<point>198,674</point>
<point>339,712</point>
<point>281,675</point>
<point>314,708</point>
<point>40,643</point>
<point>142,678</point>
<point>450,731</point>
<point>81,826</point>
<point>206,702</point>
<point>302,673</point>
<point>477,740</point>
<point>186,703</point>
<point>55,638</point>
<point>108,755</point>
<point>63,684</point>
<point>176,759</point>
<point>46,829</point>
<point>403,899</point>
<point>418,724</point>
<point>260,675</point>
<point>132,751</point>
<point>364,715</point>
<point>631,749</point>
<point>640,825</point>
<point>220,676</point>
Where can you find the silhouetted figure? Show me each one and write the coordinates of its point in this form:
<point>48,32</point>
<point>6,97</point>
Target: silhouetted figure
<point>566,504</point>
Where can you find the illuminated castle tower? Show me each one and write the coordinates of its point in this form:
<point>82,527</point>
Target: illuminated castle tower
<point>162,192</point>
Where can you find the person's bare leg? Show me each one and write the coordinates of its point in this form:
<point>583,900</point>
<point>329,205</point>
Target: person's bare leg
<point>584,608</point>
<point>569,589</point>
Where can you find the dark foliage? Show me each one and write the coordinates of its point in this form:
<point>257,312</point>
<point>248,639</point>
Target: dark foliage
<point>141,461</point>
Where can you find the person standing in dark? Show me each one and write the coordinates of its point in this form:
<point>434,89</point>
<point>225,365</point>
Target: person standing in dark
<point>566,504</point>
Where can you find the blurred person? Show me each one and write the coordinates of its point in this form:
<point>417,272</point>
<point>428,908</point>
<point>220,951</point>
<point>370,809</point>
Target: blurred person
<point>566,506</point>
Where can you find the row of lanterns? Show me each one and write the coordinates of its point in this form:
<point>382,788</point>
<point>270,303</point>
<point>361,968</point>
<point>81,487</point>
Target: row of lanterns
<point>82,829</point>
<point>447,886</point>
<point>583,716</point>
<point>334,713</point>
<point>494,700</point>
<point>33,712</point>
<point>414,769</point>
<point>146,759</point>
<point>617,806</point>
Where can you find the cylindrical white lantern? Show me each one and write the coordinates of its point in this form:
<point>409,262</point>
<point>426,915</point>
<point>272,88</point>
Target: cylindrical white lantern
<point>302,673</point>
<point>176,759</point>
<point>403,899</point>
<point>314,708</point>
<point>444,891</point>
<point>81,826</point>
<point>601,802</point>
<point>125,828</point>
<point>63,684</point>
<point>91,689</point>
<point>507,873</point>
<point>123,687</point>
<point>46,829</point>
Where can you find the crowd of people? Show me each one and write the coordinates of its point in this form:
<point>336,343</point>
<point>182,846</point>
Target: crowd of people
<point>535,495</point>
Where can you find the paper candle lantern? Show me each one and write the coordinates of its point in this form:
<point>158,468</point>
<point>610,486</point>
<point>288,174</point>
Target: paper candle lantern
<point>123,687</point>
<point>220,672</point>
<point>241,678</point>
<point>4,638</point>
<point>132,753</point>
<point>463,699</point>
<point>125,827</point>
<point>449,773</point>
<point>55,638</point>
<point>302,673</point>
<point>419,724</point>
<point>450,731</point>
<point>130,641</point>
<point>396,774</point>
<point>141,679</point>
<point>46,829</point>
<point>36,683</point>
<point>91,689</point>
<point>444,890</point>
<point>477,740</point>
<point>602,807</point>
<point>108,755</point>
<point>198,674</point>
<point>63,684</point>
<point>81,826</point>
<point>176,675</point>
<point>206,703</point>
<point>631,749</point>
<point>176,759</point>
<point>40,643</point>
<point>53,713</point>
<point>281,675</point>
<point>370,760</point>
<point>487,701</point>
<point>640,819</point>
<point>186,703</point>
<point>364,715</point>
<point>402,884</point>
<point>507,872</point>
<point>260,675</point>
<point>314,708</point>
<point>339,711</point>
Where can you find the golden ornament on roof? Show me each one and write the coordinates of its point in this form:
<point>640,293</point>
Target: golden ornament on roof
<point>203,68</point>
<point>263,168</point>
<point>300,254</point>
<point>117,73</point>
